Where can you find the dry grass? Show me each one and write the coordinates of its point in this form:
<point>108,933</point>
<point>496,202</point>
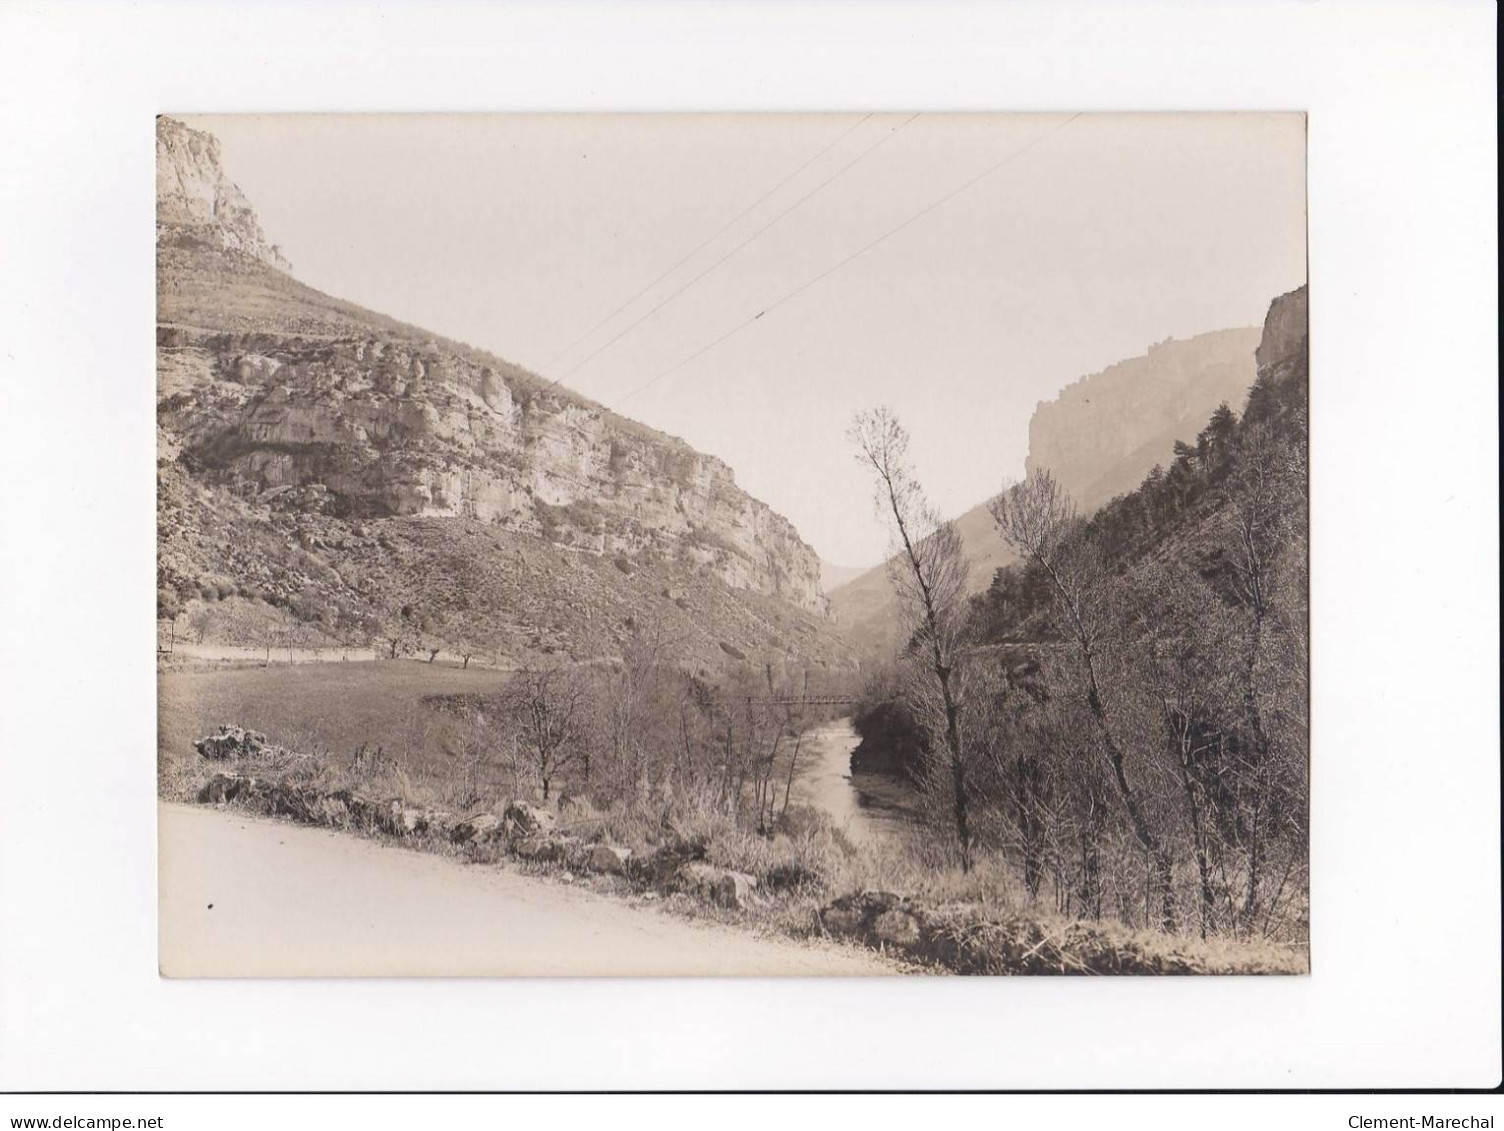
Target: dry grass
<point>333,708</point>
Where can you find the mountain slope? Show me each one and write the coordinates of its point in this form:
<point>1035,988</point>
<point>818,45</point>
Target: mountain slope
<point>1099,438</point>
<point>304,424</point>
<point>1102,434</point>
<point>865,609</point>
<point>832,576</point>
<point>1252,458</point>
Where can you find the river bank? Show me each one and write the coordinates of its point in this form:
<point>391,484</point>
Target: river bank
<point>869,808</point>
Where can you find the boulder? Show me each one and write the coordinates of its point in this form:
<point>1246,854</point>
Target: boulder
<point>482,827</point>
<point>222,788</point>
<point>897,927</point>
<point>718,885</point>
<point>231,742</point>
<point>856,914</point>
<point>410,821</point>
<point>332,810</point>
<point>548,848</point>
<point>532,847</point>
<point>440,823</point>
<point>610,858</point>
<point>398,819</point>
<point>661,865</point>
<point>524,819</point>
<point>734,890</point>
<point>288,800</point>
<point>364,813</point>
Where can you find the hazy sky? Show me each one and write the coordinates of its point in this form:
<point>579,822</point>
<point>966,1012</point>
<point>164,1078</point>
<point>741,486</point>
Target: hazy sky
<point>518,234</point>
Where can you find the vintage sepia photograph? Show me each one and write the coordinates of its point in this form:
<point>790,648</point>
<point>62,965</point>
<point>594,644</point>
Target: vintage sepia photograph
<point>732,544</point>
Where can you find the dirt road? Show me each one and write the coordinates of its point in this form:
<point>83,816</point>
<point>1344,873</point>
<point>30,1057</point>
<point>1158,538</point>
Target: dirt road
<point>246,896</point>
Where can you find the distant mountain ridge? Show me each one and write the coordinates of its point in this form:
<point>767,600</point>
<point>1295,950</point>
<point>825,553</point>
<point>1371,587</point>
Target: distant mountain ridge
<point>1102,434</point>
<point>297,410</point>
<point>1099,437</point>
<point>833,576</point>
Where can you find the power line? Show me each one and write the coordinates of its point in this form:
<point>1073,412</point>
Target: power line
<point>706,242</point>
<point>985,173</point>
<point>632,326</point>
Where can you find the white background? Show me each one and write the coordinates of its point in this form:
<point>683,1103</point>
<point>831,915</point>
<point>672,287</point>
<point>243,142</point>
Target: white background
<point>1405,987</point>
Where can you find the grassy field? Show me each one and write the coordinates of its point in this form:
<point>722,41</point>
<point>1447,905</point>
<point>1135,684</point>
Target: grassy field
<point>334,707</point>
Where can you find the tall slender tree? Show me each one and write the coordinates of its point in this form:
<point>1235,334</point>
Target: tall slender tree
<point>928,575</point>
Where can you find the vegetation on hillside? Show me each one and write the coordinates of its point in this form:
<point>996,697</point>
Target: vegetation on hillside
<point>256,574</point>
<point>1122,715</point>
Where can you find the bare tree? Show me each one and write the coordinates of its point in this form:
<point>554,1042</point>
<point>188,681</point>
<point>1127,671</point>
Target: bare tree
<point>626,689</point>
<point>1003,778</point>
<point>394,629</point>
<point>548,706</point>
<point>928,575</point>
<point>1260,535</point>
<point>1039,521</point>
<point>1183,641</point>
<point>200,620</point>
<point>795,721</point>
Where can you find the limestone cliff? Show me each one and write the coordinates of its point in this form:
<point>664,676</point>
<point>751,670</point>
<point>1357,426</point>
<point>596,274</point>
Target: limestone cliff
<point>1284,351</point>
<point>196,200</point>
<point>1099,438</point>
<point>281,394</point>
<point>1103,433</point>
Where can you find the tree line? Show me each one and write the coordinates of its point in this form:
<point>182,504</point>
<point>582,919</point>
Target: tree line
<point>641,732</point>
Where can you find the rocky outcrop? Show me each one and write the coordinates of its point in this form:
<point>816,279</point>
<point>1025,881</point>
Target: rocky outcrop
<point>323,406</point>
<point>721,886</point>
<point>547,848</point>
<point>524,819</point>
<point>1105,432</point>
<point>477,829</point>
<point>610,858</point>
<point>195,200</point>
<point>233,742</point>
<point>1284,347</point>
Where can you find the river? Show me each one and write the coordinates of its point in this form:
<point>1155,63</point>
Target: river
<point>869,808</point>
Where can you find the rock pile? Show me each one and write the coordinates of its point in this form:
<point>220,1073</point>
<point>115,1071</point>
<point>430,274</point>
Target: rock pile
<point>234,742</point>
<point>527,830</point>
<point>979,940</point>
